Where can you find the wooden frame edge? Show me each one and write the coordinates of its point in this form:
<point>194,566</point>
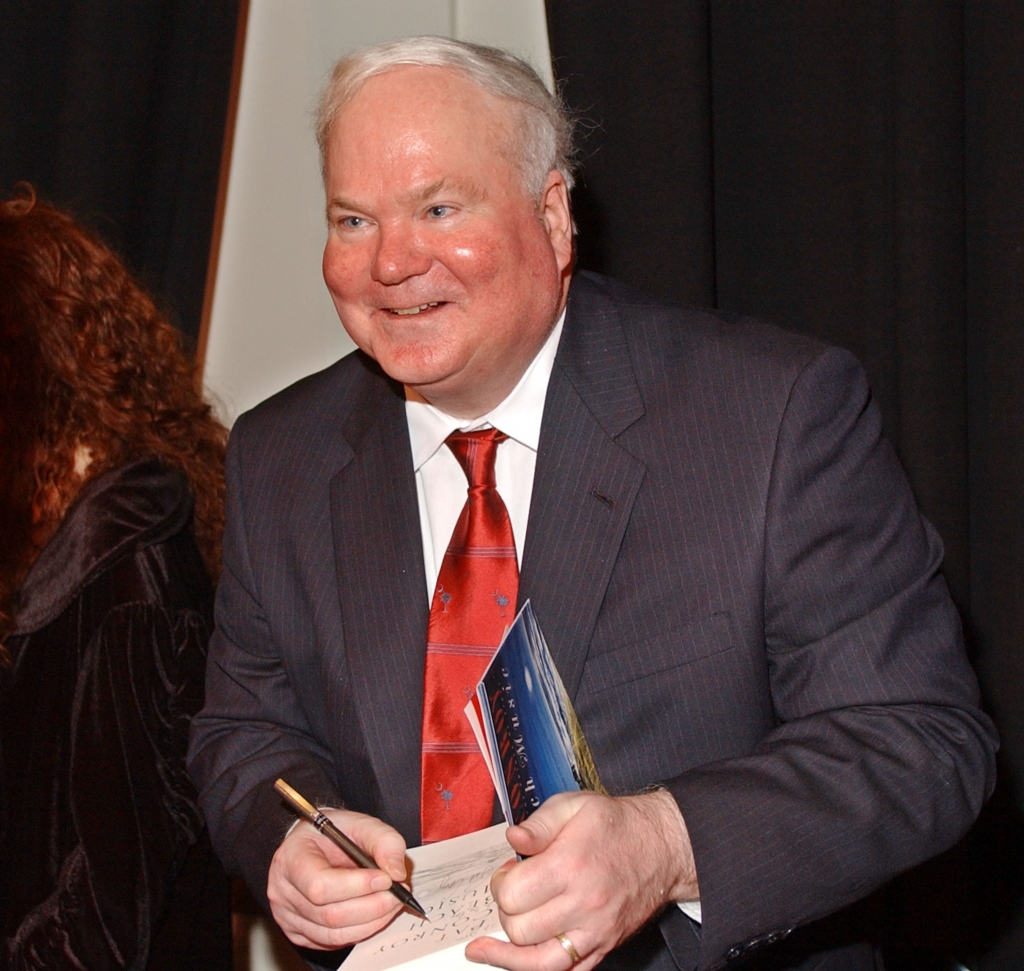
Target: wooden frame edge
<point>222,187</point>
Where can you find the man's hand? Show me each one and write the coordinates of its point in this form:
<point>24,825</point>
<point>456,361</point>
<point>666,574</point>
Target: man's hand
<point>320,898</point>
<point>598,868</point>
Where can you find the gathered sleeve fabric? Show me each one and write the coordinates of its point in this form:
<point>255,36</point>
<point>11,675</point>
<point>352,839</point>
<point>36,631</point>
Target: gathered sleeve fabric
<point>129,815</point>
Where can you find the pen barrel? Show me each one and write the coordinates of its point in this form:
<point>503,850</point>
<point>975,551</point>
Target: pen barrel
<point>339,839</point>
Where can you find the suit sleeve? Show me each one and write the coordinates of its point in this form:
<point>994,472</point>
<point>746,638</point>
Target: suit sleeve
<point>881,757</point>
<point>252,728</point>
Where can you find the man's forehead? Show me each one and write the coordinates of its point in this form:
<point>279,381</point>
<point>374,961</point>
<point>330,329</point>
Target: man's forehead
<point>411,109</point>
<point>428,87</point>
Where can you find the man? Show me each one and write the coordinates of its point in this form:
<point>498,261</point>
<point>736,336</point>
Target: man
<point>723,553</point>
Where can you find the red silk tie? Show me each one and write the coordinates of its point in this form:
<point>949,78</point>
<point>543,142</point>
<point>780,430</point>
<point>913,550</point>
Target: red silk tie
<point>474,601</point>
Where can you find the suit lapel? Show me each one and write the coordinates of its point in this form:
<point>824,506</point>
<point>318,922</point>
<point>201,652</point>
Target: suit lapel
<point>382,587</point>
<point>585,483</point>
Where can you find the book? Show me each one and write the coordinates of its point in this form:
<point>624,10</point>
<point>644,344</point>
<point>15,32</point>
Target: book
<point>534,748</point>
<point>528,731</point>
<point>451,879</point>
<point>525,724</point>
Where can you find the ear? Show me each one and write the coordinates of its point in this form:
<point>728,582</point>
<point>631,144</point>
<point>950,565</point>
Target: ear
<point>556,216</point>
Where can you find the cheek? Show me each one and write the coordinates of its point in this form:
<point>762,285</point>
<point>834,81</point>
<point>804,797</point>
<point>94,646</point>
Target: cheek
<point>342,272</point>
<point>481,259</point>
<point>344,284</point>
<point>519,256</point>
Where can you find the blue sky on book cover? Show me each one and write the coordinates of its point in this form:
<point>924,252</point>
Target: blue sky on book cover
<point>533,733</point>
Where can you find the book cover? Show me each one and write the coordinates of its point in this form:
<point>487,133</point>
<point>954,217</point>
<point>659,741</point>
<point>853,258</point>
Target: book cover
<point>526,726</point>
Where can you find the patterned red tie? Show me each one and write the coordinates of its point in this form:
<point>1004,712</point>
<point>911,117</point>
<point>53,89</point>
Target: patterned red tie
<point>474,601</point>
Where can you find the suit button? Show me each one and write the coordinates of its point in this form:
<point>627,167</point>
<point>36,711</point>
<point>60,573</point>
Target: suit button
<point>734,952</point>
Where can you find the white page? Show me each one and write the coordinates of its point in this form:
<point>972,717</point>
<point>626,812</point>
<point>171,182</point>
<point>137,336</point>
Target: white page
<point>451,880</point>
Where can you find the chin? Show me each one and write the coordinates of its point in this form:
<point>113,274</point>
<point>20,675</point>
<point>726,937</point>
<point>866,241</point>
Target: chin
<point>423,379</point>
<point>416,366</point>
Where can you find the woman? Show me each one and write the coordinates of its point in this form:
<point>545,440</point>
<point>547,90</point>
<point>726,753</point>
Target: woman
<point>111,507</point>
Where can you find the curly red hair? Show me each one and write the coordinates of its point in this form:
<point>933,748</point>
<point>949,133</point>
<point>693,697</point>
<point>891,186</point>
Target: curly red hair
<point>86,360</point>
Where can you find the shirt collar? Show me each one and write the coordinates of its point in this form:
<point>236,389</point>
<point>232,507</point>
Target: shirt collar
<point>518,416</point>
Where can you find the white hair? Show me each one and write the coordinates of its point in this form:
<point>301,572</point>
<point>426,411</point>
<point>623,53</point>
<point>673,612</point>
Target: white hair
<point>542,140</point>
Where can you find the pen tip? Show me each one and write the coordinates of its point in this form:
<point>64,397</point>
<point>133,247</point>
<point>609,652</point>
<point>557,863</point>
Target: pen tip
<point>415,906</point>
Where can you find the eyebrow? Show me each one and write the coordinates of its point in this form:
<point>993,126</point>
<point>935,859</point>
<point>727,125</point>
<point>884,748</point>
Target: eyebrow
<point>467,187</point>
<point>342,203</point>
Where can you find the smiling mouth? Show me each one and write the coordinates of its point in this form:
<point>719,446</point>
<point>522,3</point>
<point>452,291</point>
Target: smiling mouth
<point>407,311</point>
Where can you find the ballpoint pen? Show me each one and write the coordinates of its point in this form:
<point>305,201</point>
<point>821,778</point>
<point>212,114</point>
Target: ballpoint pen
<point>309,812</point>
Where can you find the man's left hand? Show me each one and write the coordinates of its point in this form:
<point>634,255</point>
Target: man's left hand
<point>597,868</point>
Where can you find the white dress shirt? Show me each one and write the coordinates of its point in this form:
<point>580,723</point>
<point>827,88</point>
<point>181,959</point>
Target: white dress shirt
<point>441,485</point>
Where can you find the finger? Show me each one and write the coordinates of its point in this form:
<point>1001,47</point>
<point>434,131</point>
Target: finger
<point>315,933</point>
<point>531,884</point>
<point>538,924</point>
<point>303,868</point>
<point>331,899</point>
<point>357,909</point>
<point>305,893</point>
<point>546,956</point>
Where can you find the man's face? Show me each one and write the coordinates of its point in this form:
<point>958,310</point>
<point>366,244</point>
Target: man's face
<point>442,267</point>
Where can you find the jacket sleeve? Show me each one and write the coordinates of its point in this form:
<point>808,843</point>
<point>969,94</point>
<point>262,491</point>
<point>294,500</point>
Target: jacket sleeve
<point>131,801</point>
<point>881,757</point>
<point>252,728</point>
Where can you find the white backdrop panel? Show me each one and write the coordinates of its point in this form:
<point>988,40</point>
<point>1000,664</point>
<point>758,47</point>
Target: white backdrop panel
<point>272,320</point>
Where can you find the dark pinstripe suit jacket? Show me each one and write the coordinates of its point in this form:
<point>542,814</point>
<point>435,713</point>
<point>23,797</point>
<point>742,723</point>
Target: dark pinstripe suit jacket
<point>729,568</point>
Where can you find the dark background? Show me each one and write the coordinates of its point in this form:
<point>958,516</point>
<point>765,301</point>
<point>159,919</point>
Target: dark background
<point>115,110</point>
<point>854,170</point>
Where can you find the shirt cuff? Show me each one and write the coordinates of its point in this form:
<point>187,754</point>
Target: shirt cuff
<point>691,908</point>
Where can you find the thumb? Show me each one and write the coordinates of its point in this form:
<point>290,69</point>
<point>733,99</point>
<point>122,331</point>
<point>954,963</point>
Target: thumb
<point>394,867</point>
<point>391,858</point>
<point>382,842</point>
<point>536,834</point>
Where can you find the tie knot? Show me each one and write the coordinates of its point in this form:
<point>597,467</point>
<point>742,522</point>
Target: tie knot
<point>476,452</point>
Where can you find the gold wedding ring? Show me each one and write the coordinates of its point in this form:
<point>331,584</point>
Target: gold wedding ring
<point>574,955</point>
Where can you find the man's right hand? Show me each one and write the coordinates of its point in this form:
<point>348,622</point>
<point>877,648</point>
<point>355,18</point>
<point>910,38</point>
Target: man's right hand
<point>320,898</point>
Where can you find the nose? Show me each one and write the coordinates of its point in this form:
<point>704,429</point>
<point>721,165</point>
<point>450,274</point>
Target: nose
<point>400,255</point>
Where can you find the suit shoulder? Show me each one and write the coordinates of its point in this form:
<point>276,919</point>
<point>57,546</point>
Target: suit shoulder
<point>315,420</point>
<point>344,396</point>
<point>323,391</point>
<point>701,337</point>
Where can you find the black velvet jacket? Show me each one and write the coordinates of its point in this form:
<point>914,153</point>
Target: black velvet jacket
<point>104,861</point>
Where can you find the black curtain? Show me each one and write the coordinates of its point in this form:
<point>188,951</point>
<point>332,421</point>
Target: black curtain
<point>115,110</point>
<point>854,171</point>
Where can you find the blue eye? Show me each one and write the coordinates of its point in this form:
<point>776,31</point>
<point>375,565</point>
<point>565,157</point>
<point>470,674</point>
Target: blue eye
<point>352,222</point>
<point>437,212</point>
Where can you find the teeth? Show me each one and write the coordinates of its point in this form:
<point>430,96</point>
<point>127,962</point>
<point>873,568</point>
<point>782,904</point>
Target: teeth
<point>415,310</point>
